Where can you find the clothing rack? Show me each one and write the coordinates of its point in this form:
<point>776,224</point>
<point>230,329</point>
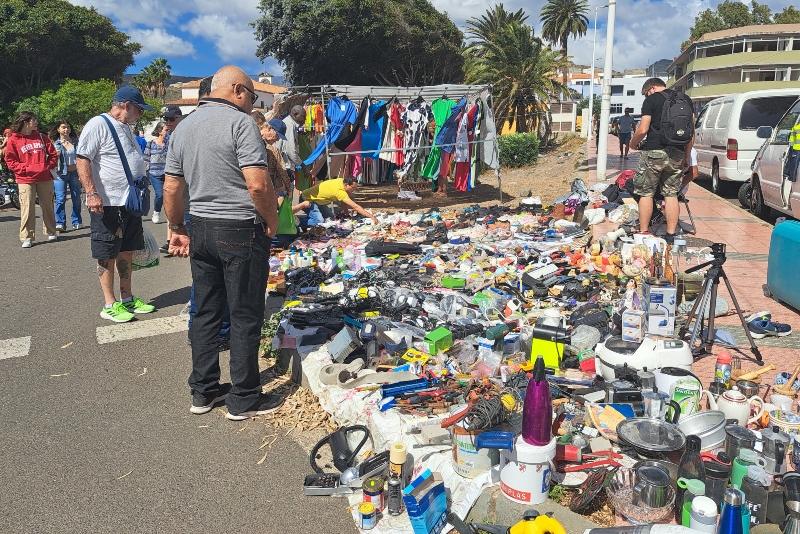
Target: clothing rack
<point>429,93</point>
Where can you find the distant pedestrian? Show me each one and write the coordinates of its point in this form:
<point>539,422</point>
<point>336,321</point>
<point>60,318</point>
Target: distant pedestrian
<point>155,158</point>
<point>139,139</point>
<point>290,148</point>
<point>30,155</point>
<point>66,142</point>
<point>218,154</point>
<point>258,117</point>
<point>625,124</point>
<point>596,126</point>
<point>172,115</point>
<point>115,232</point>
<point>272,132</point>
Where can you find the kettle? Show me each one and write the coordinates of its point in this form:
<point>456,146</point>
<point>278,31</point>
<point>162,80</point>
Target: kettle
<point>735,405</point>
<point>776,445</point>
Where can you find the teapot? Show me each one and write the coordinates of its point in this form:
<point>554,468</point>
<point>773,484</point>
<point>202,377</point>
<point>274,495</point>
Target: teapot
<point>735,405</point>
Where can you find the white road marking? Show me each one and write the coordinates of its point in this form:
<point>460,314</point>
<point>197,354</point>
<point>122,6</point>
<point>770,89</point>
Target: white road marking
<point>15,347</point>
<point>141,328</point>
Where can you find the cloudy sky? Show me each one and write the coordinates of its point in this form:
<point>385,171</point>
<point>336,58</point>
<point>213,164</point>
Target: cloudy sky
<point>197,37</point>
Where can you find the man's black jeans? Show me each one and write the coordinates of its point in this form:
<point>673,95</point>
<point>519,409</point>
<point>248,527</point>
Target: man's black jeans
<point>229,261</point>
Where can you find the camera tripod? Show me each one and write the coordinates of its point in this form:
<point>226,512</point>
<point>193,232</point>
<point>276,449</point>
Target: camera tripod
<point>708,296</point>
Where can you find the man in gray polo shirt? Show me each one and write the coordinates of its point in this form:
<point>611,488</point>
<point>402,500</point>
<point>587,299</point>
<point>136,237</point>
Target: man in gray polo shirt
<point>217,152</point>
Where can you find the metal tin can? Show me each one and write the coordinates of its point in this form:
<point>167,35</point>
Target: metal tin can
<point>369,516</point>
<point>373,492</point>
<point>394,499</point>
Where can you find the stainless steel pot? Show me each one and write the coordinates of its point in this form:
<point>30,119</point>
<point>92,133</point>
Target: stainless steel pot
<point>748,388</point>
<point>738,438</point>
<point>708,426</point>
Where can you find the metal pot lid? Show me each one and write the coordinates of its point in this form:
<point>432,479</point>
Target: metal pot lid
<point>768,434</point>
<point>651,434</point>
<point>740,432</point>
<point>701,422</point>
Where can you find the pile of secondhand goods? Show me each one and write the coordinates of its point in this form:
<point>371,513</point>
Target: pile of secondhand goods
<point>459,350</point>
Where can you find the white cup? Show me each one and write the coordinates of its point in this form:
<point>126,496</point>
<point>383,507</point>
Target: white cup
<point>782,402</point>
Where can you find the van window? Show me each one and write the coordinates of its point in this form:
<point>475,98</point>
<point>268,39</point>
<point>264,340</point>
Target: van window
<point>724,115</point>
<point>711,119</point>
<point>700,118</point>
<point>765,111</point>
<point>784,127</point>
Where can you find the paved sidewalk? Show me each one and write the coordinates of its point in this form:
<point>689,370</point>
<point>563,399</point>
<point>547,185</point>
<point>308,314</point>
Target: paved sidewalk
<point>747,239</point>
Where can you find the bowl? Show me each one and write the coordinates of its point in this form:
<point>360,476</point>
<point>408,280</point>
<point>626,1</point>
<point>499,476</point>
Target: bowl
<point>620,494</point>
<point>788,422</point>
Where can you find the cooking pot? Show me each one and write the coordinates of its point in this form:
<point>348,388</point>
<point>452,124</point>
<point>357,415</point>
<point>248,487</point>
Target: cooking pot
<point>748,388</point>
<point>708,426</point>
<point>738,438</point>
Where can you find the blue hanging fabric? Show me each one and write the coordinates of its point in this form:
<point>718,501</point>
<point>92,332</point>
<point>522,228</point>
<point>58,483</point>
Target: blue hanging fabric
<point>339,112</point>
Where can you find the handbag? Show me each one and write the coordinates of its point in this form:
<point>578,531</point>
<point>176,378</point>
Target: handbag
<point>286,217</point>
<point>137,203</point>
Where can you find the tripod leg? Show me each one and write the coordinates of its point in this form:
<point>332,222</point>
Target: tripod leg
<point>712,310</point>
<point>698,311</point>
<point>753,347</point>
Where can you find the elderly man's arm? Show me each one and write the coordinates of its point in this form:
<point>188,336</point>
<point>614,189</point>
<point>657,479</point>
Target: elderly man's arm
<point>93,201</point>
<point>263,194</point>
<point>174,208</point>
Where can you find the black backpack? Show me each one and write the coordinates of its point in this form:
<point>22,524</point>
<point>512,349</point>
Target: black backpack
<point>677,119</point>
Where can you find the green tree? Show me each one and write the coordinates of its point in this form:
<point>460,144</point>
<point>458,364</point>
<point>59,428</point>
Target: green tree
<point>583,103</point>
<point>485,27</point>
<point>523,73</point>
<point>152,78</point>
<point>77,101</point>
<point>789,15</point>
<point>562,19</point>
<point>730,15</point>
<point>45,41</point>
<point>360,42</point>
<point>762,14</point>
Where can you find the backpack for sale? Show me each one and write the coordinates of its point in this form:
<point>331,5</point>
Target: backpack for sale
<point>677,119</point>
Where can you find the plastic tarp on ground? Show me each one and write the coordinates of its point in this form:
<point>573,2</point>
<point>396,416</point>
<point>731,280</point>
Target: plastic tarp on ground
<point>350,407</point>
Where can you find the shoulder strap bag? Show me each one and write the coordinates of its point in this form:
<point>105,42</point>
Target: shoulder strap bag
<point>137,202</point>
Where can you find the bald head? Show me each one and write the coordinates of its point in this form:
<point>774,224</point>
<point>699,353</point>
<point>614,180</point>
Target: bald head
<point>232,84</point>
<point>298,113</point>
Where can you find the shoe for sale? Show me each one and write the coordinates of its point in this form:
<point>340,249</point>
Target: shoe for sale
<point>205,403</point>
<point>761,328</point>
<point>117,313</point>
<point>52,237</point>
<point>137,305</point>
<point>266,404</point>
<point>765,315</point>
<point>156,217</point>
<point>27,244</point>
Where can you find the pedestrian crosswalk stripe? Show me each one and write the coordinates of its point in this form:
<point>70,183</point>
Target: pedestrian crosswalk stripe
<point>15,347</point>
<point>141,328</point>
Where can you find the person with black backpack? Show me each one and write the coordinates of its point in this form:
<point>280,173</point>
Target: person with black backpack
<point>664,138</point>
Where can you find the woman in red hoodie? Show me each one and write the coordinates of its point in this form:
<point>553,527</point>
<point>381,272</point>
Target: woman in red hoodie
<point>30,155</point>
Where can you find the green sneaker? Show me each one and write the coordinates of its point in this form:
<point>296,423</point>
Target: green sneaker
<point>117,313</point>
<point>137,305</point>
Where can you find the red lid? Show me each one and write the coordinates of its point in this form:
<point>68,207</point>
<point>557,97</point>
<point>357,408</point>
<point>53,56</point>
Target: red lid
<point>723,357</point>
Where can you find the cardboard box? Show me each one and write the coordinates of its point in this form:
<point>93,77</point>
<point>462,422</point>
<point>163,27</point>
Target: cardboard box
<point>634,323</point>
<point>659,299</point>
<point>439,339</point>
<point>661,325</point>
<point>426,503</point>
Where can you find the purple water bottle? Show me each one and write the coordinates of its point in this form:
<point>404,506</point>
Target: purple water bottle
<point>537,412</point>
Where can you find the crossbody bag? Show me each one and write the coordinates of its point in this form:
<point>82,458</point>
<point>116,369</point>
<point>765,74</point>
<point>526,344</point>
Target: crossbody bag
<point>137,203</point>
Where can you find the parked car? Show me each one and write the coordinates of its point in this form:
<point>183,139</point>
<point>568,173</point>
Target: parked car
<point>725,133</point>
<point>768,188</point>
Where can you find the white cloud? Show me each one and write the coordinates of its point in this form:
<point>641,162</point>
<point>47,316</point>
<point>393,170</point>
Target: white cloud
<point>233,38</point>
<point>157,42</point>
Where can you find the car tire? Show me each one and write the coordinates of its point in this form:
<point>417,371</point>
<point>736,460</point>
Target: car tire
<point>757,206</point>
<point>718,187</point>
<point>744,195</point>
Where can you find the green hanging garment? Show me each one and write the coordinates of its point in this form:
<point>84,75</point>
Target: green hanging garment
<point>304,150</point>
<point>441,110</point>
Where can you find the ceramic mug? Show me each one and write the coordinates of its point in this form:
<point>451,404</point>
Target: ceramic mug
<point>782,402</point>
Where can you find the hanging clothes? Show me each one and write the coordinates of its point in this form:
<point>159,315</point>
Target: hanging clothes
<point>476,147</point>
<point>372,136</point>
<point>441,111</point>
<point>415,120</point>
<point>347,138</point>
<point>463,152</point>
<point>446,135</point>
<point>340,113</point>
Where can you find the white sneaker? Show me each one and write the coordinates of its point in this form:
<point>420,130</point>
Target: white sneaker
<point>53,237</point>
<point>156,217</point>
<point>27,244</point>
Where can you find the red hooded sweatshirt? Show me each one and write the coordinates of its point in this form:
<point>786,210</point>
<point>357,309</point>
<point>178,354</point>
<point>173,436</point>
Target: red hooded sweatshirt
<point>30,157</point>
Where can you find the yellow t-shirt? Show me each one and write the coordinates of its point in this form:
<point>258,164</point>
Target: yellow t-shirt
<point>326,192</point>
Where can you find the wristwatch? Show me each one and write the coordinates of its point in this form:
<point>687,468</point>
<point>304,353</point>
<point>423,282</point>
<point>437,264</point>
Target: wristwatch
<point>95,194</point>
<point>177,226</point>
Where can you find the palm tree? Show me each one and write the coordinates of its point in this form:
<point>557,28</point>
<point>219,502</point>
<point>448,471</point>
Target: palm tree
<point>562,19</point>
<point>161,71</point>
<point>522,70</point>
<point>484,28</point>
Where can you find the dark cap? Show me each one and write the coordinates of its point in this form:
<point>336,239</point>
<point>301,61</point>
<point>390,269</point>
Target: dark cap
<point>693,443</point>
<point>126,93</point>
<point>170,111</point>
<point>279,127</point>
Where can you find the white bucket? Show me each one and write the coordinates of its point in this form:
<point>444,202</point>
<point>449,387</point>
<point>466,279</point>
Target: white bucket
<point>525,471</point>
<point>467,460</point>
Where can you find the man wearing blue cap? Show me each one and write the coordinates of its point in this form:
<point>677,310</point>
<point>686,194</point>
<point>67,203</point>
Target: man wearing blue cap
<point>115,232</point>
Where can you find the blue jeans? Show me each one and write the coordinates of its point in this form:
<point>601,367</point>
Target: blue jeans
<point>69,179</point>
<point>158,190</point>
<point>230,262</point>
<point>225,331</point>
<point>317,213</point>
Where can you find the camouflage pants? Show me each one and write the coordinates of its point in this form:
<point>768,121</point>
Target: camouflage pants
<point>659,170</point>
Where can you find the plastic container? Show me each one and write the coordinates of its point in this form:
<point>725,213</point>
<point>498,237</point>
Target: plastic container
<point>703,515</point>
<point>784,247</point>
<point>755,489</point>
<point>691,468</point>
<point>717,477</point>
<point>525,474</point>
<point>691,490</point>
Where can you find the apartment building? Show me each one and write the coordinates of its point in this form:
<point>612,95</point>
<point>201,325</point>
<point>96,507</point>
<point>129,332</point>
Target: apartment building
<point>741,59</point>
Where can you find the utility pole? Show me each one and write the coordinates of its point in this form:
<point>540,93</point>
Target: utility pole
<point>591,75</point>
<point>605,107</point>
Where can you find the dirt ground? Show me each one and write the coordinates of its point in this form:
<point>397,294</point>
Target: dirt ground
<point>550,177</point>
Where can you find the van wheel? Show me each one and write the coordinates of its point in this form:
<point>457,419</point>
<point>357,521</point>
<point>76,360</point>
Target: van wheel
<point>757,206</point>
<point>744,195</point>
<point>718,187</point>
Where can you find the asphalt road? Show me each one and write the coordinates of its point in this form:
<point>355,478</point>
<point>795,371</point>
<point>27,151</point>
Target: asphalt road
<point>99,438</point>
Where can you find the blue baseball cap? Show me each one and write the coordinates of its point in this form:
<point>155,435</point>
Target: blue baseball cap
<point>126,93</point>
<point>279,126</point>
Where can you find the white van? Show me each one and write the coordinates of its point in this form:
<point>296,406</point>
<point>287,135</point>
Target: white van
<point>769,188</point>
<point>725,133</point>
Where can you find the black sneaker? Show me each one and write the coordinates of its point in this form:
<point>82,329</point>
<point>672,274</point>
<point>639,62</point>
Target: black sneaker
<point>164,249</point>
<point>205,403</point>
<point>224,343</point>
<point>266,404</point>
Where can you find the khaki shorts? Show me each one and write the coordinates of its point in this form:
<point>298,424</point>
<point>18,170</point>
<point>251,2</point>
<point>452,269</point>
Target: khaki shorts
<point>659,170</point>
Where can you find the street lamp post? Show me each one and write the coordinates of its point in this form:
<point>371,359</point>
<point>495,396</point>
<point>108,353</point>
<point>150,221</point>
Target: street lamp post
<point>591,76</point>
<point>605,108</point>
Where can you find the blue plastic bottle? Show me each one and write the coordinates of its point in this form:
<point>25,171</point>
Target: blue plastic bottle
<point>730,521</point>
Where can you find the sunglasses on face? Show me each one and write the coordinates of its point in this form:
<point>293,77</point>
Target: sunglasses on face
<point>172,119</point>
